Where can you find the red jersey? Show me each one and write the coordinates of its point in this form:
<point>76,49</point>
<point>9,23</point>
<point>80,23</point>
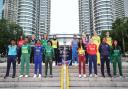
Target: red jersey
<point>20,43</point>
<point>91,49</point>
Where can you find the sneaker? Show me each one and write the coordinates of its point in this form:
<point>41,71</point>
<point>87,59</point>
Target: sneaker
<point>109,75</point>
<point>5,77</point>
<point>20,76</point>
<point>114,76</point>
<point>51,76</point>
<point>45,76</point>
<point>39,76</point>
<point>95,76</point>
<point>84,75</point>
<point>121,77</point>
<point>13,76</point>
<point>26,76</point>
<point>90,75</point>
<point>80,76</point>
<point>34,76</point>
<point>103,75</point>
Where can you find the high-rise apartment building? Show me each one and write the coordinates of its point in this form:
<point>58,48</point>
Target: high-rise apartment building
<point>10,10</point>
<point>118,8</point>
<point>102,15</point>
<point>32,15</point>
<point>84,16</point>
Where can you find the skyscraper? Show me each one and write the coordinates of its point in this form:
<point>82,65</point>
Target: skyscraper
<point>10,10</point>
<point>102,15</point>
<point>126,7</point>
<point>44,16</point>
<point>95,15</point>
<point>27,16</point>
<point>1,8</point>
<point>84,16</point>
<point>118,8</point>
<point>32,15</point>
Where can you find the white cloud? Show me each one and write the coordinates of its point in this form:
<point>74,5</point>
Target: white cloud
<point>64,16</point>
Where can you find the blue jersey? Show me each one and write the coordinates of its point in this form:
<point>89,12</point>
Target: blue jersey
<point>38,50</point>
<point>75,43</point>
<point>12,50</point>
<point>104,49</point>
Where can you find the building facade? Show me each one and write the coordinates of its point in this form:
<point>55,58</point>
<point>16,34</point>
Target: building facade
<point>32,15</point>
<point>84,16</point>
<point>10,10</point>
<point>118,8</point>
<point>1,8</point>
<point>102,15</point>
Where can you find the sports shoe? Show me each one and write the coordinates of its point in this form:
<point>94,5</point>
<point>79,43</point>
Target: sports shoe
<point>121,77</point>
<point>13,76</point>
<point>103,75</point>
<point>39,76</point>
<point>5,77</point>
<point>109,75</point>
<point>51,76</point>
<point>20,76</point>
<point>90,75</point>
<point>80,76</point>
<point>95,76</point>
<point>84,75</point>
<point>26,76</point>
<point>34,76</point>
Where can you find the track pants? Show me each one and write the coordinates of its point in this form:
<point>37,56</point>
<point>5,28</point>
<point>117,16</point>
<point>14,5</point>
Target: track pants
<point>82,62</point>
<point>11,59</point>
<point>92,60</point>
<point>19,55</point>
<point>25,59</point>
<point>56,55</point>
<point>38,64</point>
<point>103,60</point>
<point>32,55</point>
<point>117,60</point>
<point>48,62</point>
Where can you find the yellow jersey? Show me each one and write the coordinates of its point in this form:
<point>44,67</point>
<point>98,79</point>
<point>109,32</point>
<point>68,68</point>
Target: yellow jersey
<point>54,43</point>
<point>81,51</point>
<point>109,41</point>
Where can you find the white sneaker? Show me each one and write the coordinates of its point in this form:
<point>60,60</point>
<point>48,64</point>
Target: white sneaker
<point>96,76</point>
<point>26,76</point>
<point>34,76</point>
<point>90,75</point>
<point>20,76</point>
<point>76,64</point>
<point>121,77</point>
<point>80,76</point>
<point>39,76</point>
<point>85,75</point>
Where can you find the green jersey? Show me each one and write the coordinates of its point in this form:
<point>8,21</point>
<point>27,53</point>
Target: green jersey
<point>49,52</point>
<point>116,51</point>
<point>44,42</point>
<point>26,49</point>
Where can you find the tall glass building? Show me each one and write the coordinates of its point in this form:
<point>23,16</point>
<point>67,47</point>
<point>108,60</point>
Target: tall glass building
<point>44,16</point>
<point>84,16</point>
<point>118,8</point>
<point>27,16</point>
<point>103,15</point>
<point>1,8</point>
<point>10,10</point>
<point>32,15</point>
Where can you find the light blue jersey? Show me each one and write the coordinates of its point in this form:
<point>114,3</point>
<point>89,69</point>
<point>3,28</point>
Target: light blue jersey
<point>12,50</point>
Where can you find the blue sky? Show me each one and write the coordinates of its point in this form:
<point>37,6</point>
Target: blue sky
<point>1,5</point>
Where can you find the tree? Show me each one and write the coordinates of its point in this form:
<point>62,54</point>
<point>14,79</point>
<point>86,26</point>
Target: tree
<point>8,30</point>
<point>120,31</point>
